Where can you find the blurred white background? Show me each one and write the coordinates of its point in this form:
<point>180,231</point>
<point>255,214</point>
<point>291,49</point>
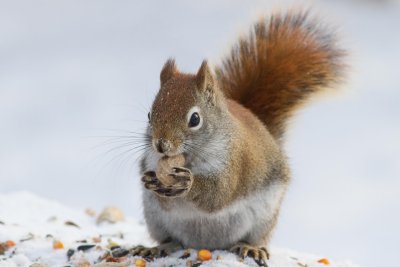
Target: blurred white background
<point>74,70</point>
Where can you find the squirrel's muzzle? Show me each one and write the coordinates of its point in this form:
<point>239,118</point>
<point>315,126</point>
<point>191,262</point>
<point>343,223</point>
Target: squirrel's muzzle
<point>162,146</point>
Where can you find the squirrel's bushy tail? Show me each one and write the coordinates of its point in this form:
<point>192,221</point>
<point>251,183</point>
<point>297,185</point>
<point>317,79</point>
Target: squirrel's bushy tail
<point>284,60</point>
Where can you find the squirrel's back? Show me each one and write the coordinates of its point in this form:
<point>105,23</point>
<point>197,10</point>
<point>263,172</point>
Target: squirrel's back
<point>284,60</point>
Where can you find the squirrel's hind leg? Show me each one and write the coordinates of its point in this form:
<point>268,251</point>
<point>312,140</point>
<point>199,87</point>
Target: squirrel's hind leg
<point>164,249</point>
<point>259,254</point>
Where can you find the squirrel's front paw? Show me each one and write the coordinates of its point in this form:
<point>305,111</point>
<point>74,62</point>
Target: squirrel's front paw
<point>183,182</point>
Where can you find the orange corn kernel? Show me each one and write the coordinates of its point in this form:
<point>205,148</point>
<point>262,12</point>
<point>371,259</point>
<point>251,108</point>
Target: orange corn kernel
<point>140,263</point>
<point>58,244</point>
<point>324,261</point>
<point>10,243</point>
<point>204,255</point>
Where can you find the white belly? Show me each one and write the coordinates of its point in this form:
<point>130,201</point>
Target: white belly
<point>220,230</point>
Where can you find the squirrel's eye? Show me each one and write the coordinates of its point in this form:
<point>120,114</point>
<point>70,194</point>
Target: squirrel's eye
<point>148,116</point>
<point>194,120</point>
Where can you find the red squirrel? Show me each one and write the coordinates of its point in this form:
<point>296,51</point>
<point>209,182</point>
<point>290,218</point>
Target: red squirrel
<point>227,125</point>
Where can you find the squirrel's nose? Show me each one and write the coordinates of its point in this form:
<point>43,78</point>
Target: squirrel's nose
<point>162,145</point>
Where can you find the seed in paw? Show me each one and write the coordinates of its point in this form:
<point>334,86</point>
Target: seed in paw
<point>204,255</point>
<point>165,166</point>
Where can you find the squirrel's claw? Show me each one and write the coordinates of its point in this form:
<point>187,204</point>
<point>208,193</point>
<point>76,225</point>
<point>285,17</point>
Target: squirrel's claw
<point>183,177</point>
<point>181,169</point>
<point>148,253</point>
<point>154,252</point>
<point>167,192</point>
<point>259,254</point>
<point>149,177</point>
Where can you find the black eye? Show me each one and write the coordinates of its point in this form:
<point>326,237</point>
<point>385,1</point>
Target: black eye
<point>148,116</point>
<point>194,120</point>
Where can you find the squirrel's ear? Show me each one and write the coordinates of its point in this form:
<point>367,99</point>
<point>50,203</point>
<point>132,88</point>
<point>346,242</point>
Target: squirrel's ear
<point>204,78</point>
<point>168,71</point>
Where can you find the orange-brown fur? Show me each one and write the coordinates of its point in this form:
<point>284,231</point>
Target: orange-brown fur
<point>253,145</point>
<point>279,65</point>
<point>245,109</point>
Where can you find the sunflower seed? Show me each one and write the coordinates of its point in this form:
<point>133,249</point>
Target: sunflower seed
<point>85,247</point>
<point>70,252</point>
<point>119,252</point>
<point>71,223</point>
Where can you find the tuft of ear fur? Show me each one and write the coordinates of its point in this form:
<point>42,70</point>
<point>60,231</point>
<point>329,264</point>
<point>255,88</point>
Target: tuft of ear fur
<point>168,71</point>
<point>204,78</point>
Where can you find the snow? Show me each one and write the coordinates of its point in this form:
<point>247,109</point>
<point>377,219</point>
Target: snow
<point>40,221</point>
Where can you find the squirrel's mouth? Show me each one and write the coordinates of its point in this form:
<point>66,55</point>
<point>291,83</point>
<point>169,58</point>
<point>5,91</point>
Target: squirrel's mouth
<point>172,153</point>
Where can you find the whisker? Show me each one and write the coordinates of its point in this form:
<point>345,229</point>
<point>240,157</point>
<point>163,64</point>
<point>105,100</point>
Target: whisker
<point>127,157</point>
<point>124,153</point>
<point>125,141</point>
<point>198,154</point>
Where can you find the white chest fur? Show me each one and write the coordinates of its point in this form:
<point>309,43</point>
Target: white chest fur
<point>243,220</point>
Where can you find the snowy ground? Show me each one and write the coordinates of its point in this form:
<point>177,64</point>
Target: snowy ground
<point>35,223</point>
<point>70,66</point>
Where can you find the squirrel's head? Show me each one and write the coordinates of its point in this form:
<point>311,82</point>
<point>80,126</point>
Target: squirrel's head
<point>187,111</point>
